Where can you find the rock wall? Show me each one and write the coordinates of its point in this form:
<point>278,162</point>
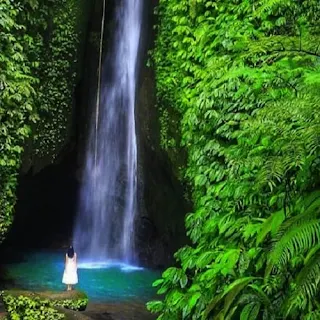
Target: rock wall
<point>59,99</point>
<point>161,206</point>
<point>160,223</point>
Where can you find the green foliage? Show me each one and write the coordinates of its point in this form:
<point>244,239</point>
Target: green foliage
<point>244,76</point>
<point>17,110</point>
<point>78,304</point>
<point>42,305</point>
<point>74,300</point>
<point>29,308</point>
<point>38,46</point>
<point>57,72</point>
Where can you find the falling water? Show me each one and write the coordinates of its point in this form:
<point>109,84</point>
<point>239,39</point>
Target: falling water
<point>104,227</point>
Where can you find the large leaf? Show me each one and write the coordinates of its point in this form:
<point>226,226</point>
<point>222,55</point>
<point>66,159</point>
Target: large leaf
<point>270,225</point>
<point>250,311</point>
<point>229,295</point>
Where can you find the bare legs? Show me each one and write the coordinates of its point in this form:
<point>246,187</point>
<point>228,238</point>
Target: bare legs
<point>69,287</point>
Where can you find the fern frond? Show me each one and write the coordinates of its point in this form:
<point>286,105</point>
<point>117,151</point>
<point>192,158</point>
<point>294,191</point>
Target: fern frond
<point>298,239</point>
<point>307,281</point>
<point>269,6</point>
<point>306,207</point>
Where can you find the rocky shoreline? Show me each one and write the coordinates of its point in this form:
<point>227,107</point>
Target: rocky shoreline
<point>130,310</point>
<point>118,311</point>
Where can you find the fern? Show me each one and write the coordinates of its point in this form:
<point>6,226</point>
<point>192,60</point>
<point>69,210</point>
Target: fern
<point>247,97</point>
<point>307,282</point>
<point>297,240</point>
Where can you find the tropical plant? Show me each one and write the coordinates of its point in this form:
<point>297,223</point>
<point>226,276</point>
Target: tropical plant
<point>38,51</point>
<point>244,77</point>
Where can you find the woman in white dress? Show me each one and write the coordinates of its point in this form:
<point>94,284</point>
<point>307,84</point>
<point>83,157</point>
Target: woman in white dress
<point>70,275</point>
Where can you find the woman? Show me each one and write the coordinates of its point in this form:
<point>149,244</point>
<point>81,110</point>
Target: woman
<point>70,276</point>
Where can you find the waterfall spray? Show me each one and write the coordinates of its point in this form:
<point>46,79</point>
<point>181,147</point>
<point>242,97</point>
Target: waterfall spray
<point>104,227</point>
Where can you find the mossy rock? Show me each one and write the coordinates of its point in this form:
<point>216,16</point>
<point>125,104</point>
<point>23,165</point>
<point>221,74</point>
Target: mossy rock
<point>26,305</point>
<point>74,300</point>
<point>3,316</point>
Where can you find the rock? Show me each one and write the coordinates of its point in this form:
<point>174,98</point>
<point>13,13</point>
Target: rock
<point>72,315</point>
<point>2,311</point>
<point>3,315</point>
<point>73,300</point>
<point>160,192</point>
<point>124,310</point>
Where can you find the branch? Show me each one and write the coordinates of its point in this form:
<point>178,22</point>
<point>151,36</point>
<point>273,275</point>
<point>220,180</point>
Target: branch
<point>300,38</point>
<point>299,51</point>
<point>290,84</point>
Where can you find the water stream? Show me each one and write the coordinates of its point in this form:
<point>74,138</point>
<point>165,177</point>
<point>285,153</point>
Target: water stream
<point>104,227</point>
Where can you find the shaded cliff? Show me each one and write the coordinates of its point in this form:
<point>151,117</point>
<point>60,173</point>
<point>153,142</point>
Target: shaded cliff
<point>160,224</point>
<point>47,197</point>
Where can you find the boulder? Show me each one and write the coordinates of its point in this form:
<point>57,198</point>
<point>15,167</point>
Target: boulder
<point>46,304</point>
<point>72,315</point>
<point>73,300</point>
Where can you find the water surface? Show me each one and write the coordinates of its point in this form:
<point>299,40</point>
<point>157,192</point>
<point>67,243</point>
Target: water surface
<point>104,282</point>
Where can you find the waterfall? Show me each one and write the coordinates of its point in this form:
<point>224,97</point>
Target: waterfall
<point>104,227</point>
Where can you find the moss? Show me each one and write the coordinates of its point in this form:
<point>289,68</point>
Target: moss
<point>28,306</point>
<point>36,104</point>
<point>73,300</point>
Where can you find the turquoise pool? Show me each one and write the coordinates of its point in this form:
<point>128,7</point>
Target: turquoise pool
<point>105,282</point>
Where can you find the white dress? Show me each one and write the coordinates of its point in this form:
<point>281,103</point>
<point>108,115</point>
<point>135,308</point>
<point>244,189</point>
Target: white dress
<point>70,275</point>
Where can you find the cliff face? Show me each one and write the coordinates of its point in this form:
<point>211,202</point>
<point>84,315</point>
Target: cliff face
<point>39,49</point>
<point>60,69</point>
<point>160,225</point>
<point>161,206</point>
<point>160,222</point>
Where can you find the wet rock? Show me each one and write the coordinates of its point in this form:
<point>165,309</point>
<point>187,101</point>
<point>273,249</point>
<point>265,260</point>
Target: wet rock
<point>2,309</point>
<point>73,300</point>
<point>72,315</point>
<point>133,310</point>
<point>3,315</point>
<point>160,193</point>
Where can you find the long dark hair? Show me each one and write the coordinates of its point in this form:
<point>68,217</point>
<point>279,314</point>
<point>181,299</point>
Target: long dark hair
<point>70,252</point>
